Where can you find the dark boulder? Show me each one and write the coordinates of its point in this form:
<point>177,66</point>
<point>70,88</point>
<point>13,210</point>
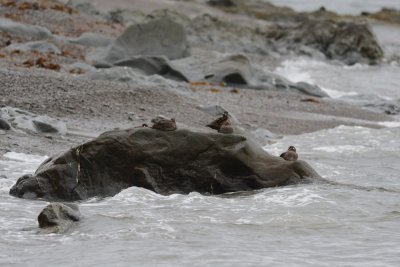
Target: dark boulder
<point>58,217</point>
<point>161,37</point>
<point>153,66</point>
<point>4,125</point>
<point>350,42</point>
<point>180,161</point>
<point>221,3</point>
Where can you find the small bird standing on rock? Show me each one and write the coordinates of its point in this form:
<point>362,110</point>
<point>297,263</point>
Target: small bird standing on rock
<point>290,154</point>
<point>164,124</point>
<point>226,128</point>
<point>144,125</point>
<point>219,122</point>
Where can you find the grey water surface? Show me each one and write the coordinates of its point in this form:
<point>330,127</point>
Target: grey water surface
<point>353,7</point>
<point>352,223</point>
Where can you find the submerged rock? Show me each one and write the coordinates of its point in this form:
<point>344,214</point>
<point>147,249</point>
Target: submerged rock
<point>179,161</point>
<point>4,125</point>
<point>58,217</point>
<point>375,103</point>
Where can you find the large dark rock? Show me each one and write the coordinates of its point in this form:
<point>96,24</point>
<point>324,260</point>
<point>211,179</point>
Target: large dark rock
<point>181,161</point>
<point>161,37</point>
<point>58,217</point>
<point>350,42</point>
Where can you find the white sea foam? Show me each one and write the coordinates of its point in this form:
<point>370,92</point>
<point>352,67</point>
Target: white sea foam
<point>390,124</point>
<point>294,70</point>
<point>340,148</point>
<point>337,94</point>
<point>22,157</point>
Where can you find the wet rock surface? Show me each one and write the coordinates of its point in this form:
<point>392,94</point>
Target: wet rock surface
<point>58,217</point>
<point>350,42</point>
<point>4,125</point>
<point>180,161</point>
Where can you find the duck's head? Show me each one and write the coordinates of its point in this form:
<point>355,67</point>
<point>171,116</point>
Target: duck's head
<point>292,148</point>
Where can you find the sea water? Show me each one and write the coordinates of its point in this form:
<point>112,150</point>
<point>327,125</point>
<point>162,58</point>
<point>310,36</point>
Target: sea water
<point>352,7</point>
<point>354,222</point>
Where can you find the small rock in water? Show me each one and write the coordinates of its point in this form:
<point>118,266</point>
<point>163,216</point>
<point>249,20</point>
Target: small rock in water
<point>43,127</point>
<point>4,125</point>
<point>58,217</point>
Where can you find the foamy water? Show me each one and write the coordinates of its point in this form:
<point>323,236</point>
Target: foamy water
<point>353,7</point>
<point>306,225</point>
<point>354,223</point>
<point>339,80</point>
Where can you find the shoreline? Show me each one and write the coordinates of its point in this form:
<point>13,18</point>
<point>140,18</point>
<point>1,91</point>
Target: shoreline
<point>91,106</point>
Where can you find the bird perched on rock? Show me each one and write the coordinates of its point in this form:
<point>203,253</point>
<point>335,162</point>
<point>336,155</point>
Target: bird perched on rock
<point>290,154</point>
<point>216,125</point>
<point>164,124</point>
<point>226,128</point>
<point>144,125</point>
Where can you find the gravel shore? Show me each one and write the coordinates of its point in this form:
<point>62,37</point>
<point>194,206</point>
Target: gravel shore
<point>89,107</point>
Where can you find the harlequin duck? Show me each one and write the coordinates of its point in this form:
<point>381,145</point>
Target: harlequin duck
<point>164,124</point>
<point>290,154</point>
<point>216,125</point>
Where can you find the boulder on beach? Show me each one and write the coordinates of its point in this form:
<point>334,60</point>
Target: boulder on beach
<point>180,161</point>
<point>148,65</point>
<point>161,37</point>
<point>24,30</point>
<point>349,42</point>
<point>58,217</point>
<point>237,70</point>
<point>39,46</point>
<point>231,69</point>
<point>91,39</point>
<point>27,121</point>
